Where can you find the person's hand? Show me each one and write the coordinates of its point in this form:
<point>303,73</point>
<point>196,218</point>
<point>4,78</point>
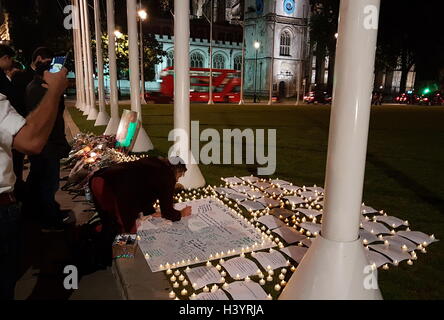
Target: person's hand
<point>56,82</point>
<point>185,212</point>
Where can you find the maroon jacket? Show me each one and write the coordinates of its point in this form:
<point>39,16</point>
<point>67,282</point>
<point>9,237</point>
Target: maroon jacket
<point>122,191</point>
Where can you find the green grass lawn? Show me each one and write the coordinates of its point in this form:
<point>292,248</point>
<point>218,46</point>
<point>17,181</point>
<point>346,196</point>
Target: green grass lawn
<point>404,171</point>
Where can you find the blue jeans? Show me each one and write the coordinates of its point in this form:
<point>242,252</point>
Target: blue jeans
<point>9,249</point>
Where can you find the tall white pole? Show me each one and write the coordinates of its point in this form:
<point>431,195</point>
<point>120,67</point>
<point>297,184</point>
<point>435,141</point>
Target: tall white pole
<point>298,82</point>
<point>241,100</point>
<point>193,177</point>
<point>113,124</point>
<point>210,88</point>
<point>102,117</point>
<point>92,115</point>
<point>77,48</point>
<point>142,77</point>
<point>85,73</point>
<point>143,142</point>
<point>335,266</point>
<point>270,88</point>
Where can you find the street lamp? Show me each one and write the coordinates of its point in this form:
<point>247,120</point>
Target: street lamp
<point>143,15</point>
<point>257,45</point>
<point>118,34</point>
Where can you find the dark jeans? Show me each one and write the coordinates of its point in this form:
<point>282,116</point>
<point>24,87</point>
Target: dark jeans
<point>18,165</point>
<point>9,249</point>
<point>42,185</point>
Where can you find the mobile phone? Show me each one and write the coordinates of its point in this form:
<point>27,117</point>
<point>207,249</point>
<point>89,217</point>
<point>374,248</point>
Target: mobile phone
<point>58,63</point>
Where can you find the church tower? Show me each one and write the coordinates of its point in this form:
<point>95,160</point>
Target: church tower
<point>280,29</point>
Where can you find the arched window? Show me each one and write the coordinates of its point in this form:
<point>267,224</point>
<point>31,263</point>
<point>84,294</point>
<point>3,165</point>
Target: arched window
<point>219,61</point>
<point>285,43</point>
<point>170,59</point>
<point>238,62</point>
<point>197,60</point>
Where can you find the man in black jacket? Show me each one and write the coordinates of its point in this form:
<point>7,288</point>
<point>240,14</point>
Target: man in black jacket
<point>44,175</point>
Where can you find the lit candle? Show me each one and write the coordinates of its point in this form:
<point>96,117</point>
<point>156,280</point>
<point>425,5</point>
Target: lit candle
<point>269,278</point>
<point>169,271</point>
<point>262,282</point>
<point>277,287</point>
<point>184,292</point>
<point>172,295</point>
<point>176,285</point>
<point>206,289</point>
<point>185,283</point>
<point>281,276</point>
<point>173,278</point>
<point>181,277</point>
<point>283,283</point>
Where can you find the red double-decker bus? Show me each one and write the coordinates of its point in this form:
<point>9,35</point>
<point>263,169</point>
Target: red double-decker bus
<point>226,86</point>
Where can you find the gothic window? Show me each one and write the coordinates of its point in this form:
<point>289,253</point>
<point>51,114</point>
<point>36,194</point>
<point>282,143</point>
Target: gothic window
<point>197,60</point>
<point>218,61</point>
<point>170,59</point>
<point>238,63</point>
<point>285,43</point>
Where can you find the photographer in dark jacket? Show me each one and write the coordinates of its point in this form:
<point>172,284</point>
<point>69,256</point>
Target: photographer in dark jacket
<point>44,175</point>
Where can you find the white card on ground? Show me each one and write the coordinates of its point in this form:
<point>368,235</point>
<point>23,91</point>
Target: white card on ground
<point>365,235</point>
<point>315,189</point>
<point>252,205</point>
<point>271,221</point>
<point>241,188</point>
<point>217,295</point>
<point>309,212</point>
<point>295,252</point>
<point>391,221</point>
<point>240,266</point>
<point>375,227</point>
<point>282,212</point>
<point>417,237</point>
<point>222,190</point>
<point>290,188</point>
<point>273,259</point>
<point>274,191</point>
<point>246,290</point>
<point>250,179</point>
<point>294,200</point>
<point>376,258</point>
<point>398,241</point>
<point>289,235</point>
<point>367,210</point>
<point>255,194</point>
<point>392,252</point>
<point>310,226</point>
<point>202,276</point>
<point>310,194</point>
<point>279,182</point>
<point>262,185</point>
<point>232,180</point>
<point>269,202</point>
<point>236,196</point>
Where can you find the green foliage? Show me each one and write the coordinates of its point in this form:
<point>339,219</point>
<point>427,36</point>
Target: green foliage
<point>152,55</point>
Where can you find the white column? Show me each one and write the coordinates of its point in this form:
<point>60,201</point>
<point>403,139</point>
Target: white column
<point>92,114</point>
<point>270,88</point>
<point>102,117</point>
<point>113,124</point>
<point>335,266</point>
<point>193,177</point>
<point>84,60</point>
<point>143,142</point>
<point>241,100</point>
<point>77,48</point>
<point>210,87</point>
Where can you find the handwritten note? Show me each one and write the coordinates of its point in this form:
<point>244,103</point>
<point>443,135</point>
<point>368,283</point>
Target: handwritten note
<point>271,221</point>
<point>246,290</point>
<point>202,276</point>
<point>241,267</point>
<point>294,252</point>
<point>272,259</point>
<point>289,234</point>
<point>217,295</point>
